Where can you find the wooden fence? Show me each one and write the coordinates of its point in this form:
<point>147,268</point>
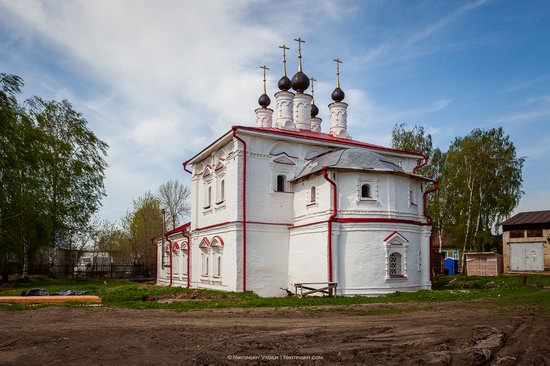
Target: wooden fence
<point>130,271</point>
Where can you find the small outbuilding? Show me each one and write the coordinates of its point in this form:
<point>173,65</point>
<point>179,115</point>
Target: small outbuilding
<point>483,264</point>
<point>526,242</point>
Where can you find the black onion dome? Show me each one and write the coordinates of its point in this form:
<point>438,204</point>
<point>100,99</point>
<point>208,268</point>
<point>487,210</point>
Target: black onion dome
<point>338,95</point>
<point>300,82</point>
<point>314,111</point>
<point>264,100</point>
<point>284,83</point>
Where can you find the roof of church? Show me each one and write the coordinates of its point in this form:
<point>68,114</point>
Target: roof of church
<point>312,135</point>
<point>352,158</point>
<point>305,135</point>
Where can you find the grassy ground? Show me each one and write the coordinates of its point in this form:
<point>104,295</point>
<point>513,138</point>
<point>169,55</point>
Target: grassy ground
<point>505,290</point>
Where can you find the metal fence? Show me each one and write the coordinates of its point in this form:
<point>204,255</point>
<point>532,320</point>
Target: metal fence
<point>133,271</point>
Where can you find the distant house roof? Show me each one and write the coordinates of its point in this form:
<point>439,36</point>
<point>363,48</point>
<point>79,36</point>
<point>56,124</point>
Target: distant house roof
<point>532,218</point>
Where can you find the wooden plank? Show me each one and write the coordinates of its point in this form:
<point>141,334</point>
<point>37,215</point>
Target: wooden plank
<point>49,299</point>
<point>323,290</point>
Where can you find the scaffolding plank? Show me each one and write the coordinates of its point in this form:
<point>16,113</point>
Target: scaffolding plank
<point>49,299</point>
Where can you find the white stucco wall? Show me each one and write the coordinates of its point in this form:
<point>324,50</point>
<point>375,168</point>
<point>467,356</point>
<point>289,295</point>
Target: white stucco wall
<point>179,261</point>
<point>267,259</point>
<point>307,255</point>
<point>280,251</point>
<point>230,279</point>
<point>362,258</point>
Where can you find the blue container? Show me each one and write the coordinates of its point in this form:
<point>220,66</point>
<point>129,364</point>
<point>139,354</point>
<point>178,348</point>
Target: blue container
<point>451,265</point>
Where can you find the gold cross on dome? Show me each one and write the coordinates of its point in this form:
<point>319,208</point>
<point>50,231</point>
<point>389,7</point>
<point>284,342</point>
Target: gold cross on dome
<point>300,41</point>
<point>338,62</point>
<point>265,68</point>
<point>284,47</point>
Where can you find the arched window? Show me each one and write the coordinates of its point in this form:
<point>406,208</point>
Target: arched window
<point>219,267</point>
<point>365,191</point>
<point>313,194</point>
<point>206,265</point>
<point>222,191</point>
<point>217,252</point>
<point>281,180</point>
<point>184,261</point>
<point>395,265</point>
<point>205,253</point>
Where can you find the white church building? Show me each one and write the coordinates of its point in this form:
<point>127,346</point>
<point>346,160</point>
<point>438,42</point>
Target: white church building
<point>284,203</point>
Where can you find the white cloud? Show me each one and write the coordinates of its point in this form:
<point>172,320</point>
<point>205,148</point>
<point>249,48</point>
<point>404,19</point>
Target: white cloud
<point>163,77</point>
<point>524,116</point>
<point>410,45</point>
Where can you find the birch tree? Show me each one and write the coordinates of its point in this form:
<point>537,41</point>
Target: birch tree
<point>73,167</point>
<point>174,198</point>
<point>484,176</point>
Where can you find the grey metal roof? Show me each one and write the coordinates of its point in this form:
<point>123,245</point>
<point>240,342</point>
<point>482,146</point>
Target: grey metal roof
<point>353,158</point>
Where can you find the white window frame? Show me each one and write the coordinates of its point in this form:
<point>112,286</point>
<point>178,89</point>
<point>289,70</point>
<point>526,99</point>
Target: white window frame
<point>207,206</point>
<point>413,195</point>
<point>398,265</point>
<point>311,200</point>
<point>184,254</point>
<point>220,186</point>
<point>216,247</point>
<point>205,255</point>
<point>396,243</point>
<point>313,194</point>
<point>373,183</point>
<point>285,183</point>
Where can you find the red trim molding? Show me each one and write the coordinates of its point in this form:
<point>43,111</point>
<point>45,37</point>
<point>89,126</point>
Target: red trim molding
<point>331,219</point>
<point>234,129</point>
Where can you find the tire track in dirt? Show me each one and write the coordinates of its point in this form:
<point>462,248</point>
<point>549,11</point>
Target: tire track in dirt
<point>444,334</point>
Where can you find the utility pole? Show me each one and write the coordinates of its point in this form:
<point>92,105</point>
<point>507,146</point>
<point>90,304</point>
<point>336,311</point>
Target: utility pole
<point>163,232</point>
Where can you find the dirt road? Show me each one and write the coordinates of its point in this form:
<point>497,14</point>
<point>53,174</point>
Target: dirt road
<point>445,333</point>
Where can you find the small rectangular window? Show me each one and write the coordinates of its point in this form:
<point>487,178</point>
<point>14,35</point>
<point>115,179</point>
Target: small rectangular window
<point>281,181</point>
<point>366,191</point>
<point>517,233</point>
<point>534,233</point>
<point>412,198</point>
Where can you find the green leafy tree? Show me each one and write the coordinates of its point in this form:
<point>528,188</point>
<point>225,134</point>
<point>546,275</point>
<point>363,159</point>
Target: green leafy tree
<point>418,140</point>
<point>479,183</point>
<point>141,224</point>
<point>484,177</point>
<point>73,168</point>
<point>22,227</point>
<point>415,139</point>
<point>10,208</point>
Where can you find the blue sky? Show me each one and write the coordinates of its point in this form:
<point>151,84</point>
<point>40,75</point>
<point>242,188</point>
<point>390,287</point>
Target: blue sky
<point>159,80</point>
